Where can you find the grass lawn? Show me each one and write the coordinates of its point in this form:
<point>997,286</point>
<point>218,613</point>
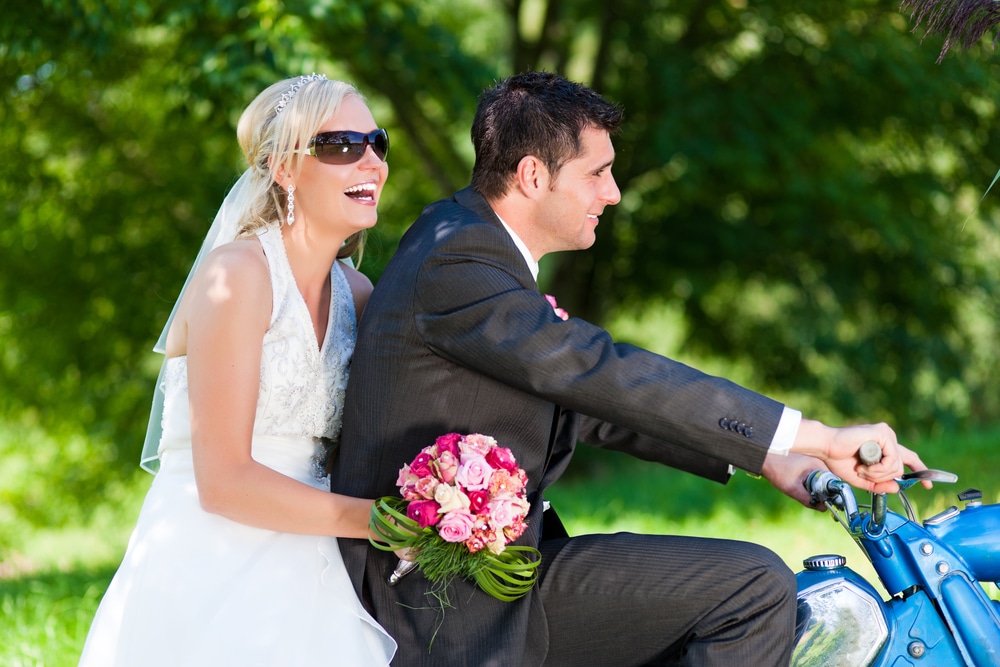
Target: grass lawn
<point>50,589</point>
<point>46,615</point>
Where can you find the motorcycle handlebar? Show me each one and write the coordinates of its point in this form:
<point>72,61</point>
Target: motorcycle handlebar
<point>824,486</point>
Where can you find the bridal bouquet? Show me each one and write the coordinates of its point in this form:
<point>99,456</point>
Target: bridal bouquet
<point>463,502</point>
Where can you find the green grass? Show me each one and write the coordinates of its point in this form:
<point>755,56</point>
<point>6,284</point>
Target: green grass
<point>52,579</point>
<point>50,587</point>
<point>46,616</point>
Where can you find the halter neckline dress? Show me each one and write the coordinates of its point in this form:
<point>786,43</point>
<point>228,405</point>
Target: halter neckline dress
<point>198,589</point>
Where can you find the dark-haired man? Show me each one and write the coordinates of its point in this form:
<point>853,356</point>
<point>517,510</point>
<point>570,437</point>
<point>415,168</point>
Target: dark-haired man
<point>457,338</point>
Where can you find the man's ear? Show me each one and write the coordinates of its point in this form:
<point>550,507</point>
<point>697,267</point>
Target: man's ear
<point>532,177</point>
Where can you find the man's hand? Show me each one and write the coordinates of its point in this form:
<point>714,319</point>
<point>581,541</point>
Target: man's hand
<point>838,448</point>
<point>788,475</point>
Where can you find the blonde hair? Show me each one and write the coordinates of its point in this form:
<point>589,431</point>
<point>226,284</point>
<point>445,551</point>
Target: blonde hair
<point>274,141</point>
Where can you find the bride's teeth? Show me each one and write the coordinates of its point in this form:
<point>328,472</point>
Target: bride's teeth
<point>364,190</point>
<point>359,188</point>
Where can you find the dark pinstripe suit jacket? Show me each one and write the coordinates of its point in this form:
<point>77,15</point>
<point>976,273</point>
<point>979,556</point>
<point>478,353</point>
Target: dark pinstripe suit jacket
<point>457,338</point>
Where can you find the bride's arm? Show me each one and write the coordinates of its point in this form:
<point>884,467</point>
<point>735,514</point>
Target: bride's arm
<point>228,311</point>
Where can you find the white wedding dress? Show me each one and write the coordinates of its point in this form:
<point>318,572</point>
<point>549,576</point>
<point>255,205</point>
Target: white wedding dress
<point>197,589</point>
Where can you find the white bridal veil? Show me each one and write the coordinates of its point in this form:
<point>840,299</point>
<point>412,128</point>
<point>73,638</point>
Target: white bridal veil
<point>223,230</point>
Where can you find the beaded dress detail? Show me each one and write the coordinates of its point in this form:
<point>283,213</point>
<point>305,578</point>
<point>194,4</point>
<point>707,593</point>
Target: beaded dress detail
<point>198,589</point>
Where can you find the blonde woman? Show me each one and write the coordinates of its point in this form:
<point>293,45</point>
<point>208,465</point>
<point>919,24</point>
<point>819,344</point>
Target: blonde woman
<point>234,560</point>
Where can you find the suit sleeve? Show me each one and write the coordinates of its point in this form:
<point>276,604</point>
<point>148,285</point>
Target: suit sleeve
<point>605,435</point>
<point>475,310</point>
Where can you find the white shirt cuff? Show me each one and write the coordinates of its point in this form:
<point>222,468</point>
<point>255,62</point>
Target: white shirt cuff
<point>784,435</point>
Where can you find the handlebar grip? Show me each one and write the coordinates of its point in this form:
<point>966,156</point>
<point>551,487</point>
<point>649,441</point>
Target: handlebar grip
<point>870,453</point>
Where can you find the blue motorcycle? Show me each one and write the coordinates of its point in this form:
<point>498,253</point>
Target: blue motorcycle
<point>938,612</point>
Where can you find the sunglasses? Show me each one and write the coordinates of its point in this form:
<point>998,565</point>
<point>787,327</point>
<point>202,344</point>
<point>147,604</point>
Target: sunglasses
<point>347,147</point>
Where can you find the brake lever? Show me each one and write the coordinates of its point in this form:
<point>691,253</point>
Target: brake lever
<point>911,478</point>
<point>870,453</point>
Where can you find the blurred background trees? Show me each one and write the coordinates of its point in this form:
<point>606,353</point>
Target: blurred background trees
<point>798,190</point>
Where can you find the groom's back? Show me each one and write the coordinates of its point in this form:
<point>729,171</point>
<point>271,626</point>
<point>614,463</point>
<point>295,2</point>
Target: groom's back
<point>406,390</point>
<point>388,358</point>
<point>403,392</point>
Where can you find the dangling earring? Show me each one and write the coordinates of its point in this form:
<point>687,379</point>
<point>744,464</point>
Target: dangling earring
<point>290,219</point>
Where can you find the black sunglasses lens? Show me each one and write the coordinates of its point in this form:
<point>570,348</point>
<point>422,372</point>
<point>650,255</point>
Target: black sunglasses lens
<point>380,143</point>
<point>337,148</point>
<point>348,147</point>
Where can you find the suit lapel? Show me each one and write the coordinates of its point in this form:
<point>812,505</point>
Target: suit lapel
<point>563,429</point>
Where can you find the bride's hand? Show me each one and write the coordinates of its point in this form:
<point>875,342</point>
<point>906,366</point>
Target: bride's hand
<point>406,553</point>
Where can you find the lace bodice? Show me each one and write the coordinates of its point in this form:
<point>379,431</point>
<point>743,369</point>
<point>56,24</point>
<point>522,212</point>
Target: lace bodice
<point>301,385</point>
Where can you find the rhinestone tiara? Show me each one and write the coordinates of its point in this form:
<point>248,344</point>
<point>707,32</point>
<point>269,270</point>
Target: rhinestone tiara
<point>287,96</point>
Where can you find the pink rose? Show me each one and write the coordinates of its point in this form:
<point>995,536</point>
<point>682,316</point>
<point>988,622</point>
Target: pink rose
<point>447,466</point>
<point>448,443</point>
<point>479,500</point>
<point>424,512</point>
<point>409,492</point>
<point>474,472</point>
<point>456,526</point>
<point>501,457</point>
<point>502,513</point>
<point>404,474</point>
<point>425,487</point>
<point>421,466</point>
<point>560,313</point>
<point>477,443</point>
<point>422,458</point>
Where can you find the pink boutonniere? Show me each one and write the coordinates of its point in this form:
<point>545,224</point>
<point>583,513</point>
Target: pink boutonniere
<point>560,313</point>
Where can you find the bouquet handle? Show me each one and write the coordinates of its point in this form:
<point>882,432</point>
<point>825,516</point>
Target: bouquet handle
<point>403,568</point>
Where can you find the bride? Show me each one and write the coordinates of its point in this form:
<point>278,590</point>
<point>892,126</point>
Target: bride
<point>234,559</point>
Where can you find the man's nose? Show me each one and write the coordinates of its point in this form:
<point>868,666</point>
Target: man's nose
<point>612,195</point>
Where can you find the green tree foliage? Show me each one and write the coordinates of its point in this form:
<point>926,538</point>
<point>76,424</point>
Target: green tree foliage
<point>117,127</point>
<point>795,181</point>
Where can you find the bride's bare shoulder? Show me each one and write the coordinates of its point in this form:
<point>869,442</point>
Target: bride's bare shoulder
<point>228,272</point>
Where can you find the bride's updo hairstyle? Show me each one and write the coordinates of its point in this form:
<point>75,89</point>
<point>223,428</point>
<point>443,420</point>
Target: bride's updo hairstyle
<point>274,132</point>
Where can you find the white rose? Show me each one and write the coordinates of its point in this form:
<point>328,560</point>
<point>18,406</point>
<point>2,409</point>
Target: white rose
<point>451,498</point>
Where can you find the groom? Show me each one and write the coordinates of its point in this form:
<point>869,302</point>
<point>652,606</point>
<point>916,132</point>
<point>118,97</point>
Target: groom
<point>457,338</point>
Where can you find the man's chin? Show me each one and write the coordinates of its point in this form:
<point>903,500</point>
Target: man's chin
<point>581,243</point>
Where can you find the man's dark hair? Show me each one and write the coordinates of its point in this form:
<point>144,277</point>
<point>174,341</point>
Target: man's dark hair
<point>535,113</point>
